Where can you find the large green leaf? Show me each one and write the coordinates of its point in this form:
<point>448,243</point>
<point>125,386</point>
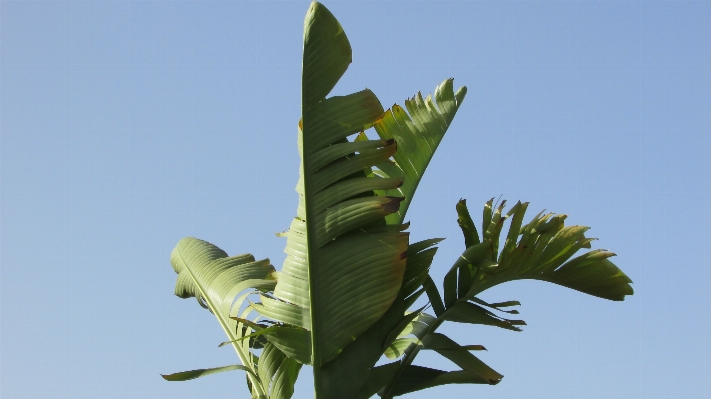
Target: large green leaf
<point>343,269</point>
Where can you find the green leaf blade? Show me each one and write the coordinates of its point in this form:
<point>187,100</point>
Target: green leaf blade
<point>327,54</point>
<point>215,279</point>
<point>193,374</point>
<point>417,135</point>
<point>545,251</point>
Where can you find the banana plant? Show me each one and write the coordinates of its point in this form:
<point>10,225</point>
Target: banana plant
<point>344,296</point>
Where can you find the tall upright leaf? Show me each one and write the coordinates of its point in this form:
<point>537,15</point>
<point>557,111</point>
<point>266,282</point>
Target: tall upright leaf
<point>344,269</point>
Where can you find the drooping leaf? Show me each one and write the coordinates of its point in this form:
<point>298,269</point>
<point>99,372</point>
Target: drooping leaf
<point>215,279</point>
<point>192,374</point>
<point>416,378</point>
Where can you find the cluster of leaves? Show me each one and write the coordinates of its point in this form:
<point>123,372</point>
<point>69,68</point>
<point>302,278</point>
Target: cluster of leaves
<point>342,298</point>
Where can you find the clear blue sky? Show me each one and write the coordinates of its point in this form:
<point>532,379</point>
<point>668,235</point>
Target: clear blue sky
<point>128,125</point>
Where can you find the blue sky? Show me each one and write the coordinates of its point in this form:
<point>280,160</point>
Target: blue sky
<point>128,125</point>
